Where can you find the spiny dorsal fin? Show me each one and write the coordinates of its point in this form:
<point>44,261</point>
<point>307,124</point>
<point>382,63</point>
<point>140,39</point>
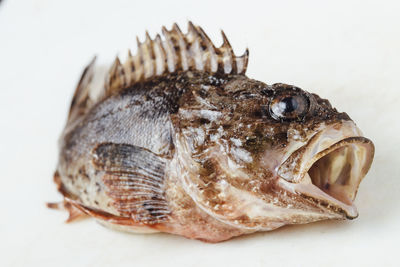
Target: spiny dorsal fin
<point>178,52</point>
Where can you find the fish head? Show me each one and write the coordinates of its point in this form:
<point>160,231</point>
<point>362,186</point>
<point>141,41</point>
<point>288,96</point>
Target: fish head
<point>326,155</point>
<point>259,156</point>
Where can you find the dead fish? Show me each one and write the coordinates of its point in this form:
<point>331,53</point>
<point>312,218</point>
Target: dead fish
<point>177,139</point>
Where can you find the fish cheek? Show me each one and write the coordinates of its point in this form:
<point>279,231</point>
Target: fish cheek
<point>210,174</point>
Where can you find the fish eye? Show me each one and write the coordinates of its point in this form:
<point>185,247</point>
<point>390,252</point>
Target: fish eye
<point>289,106</point>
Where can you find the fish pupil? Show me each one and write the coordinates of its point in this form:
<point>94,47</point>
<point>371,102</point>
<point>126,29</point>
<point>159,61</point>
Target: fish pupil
<point>288,105</point>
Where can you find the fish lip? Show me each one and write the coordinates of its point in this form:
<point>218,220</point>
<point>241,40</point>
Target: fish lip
<point>299,183</point>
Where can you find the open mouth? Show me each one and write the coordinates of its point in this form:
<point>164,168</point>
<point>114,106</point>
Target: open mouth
<point>329,174</point>
<point>339,169</point>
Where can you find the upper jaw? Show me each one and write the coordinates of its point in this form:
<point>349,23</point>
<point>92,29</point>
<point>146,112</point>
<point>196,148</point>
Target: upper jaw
<point>329,168</point>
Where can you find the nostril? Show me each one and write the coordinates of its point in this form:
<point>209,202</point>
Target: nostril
<point>326,186</point>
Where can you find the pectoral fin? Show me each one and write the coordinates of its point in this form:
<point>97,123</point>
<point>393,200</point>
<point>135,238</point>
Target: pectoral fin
<point>134,178</point>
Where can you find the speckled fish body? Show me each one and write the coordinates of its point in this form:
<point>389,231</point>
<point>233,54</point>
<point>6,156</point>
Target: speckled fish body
<point>179,140</point>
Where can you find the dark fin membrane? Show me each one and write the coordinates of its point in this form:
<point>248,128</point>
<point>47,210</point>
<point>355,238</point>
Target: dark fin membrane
<point>178,52</point>
<point>134,178</point>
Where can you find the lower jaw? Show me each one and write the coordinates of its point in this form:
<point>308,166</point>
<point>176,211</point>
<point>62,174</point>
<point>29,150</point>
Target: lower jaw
<point>321,199</point>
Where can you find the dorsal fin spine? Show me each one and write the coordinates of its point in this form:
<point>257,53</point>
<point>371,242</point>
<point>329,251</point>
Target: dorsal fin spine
<point>230,56</point>
<point>139,73</point>
<point>195,47</point>
<point>129,67</point>
<point>116,77</point>
<point>213,64</point>
<point>160,56</point>
<point>169,50</point>
<point>148,57</point>
<point>181,39</point>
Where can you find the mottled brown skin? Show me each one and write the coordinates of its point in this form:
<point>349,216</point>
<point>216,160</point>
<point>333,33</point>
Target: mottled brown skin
<point>245,101</point>
<point>170,106</point>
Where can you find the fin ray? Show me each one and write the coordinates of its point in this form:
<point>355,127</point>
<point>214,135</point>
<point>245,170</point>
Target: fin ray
<point>134,178</point>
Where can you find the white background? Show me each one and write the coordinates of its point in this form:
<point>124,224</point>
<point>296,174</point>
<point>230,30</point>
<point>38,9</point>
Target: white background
<point>346,51</point>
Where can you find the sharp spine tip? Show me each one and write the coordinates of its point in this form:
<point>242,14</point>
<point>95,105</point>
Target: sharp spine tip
<point>225,40</point>
<point>176,28</point>
<point>164,31</point>
<point>138,41</point>
<point>117,62</point>
<point>190,24</point>
<point>192,28</point>
<point>148,38</point>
